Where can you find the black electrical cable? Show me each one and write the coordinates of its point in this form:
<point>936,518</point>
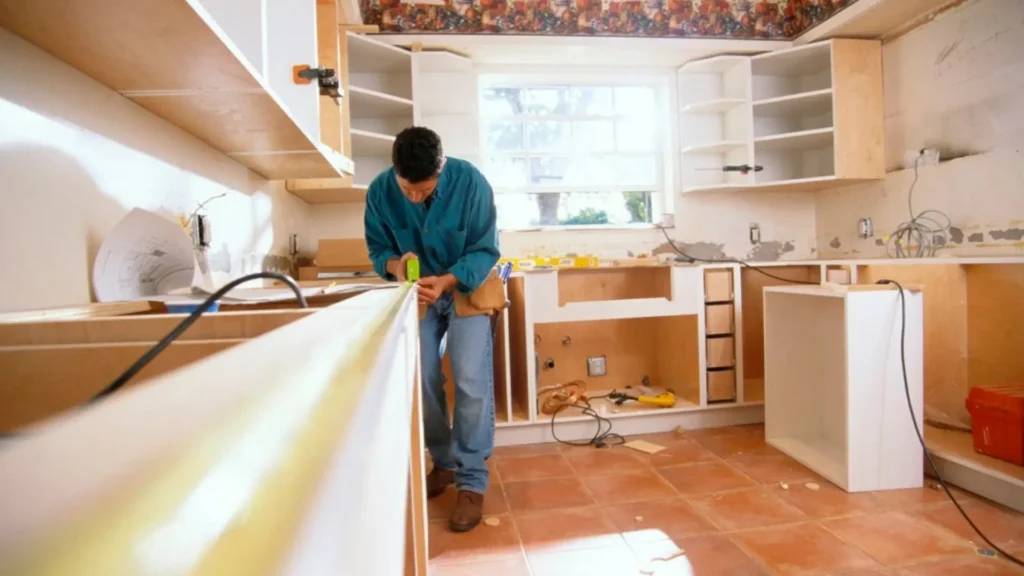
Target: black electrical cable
<point>601,437</point>
<point>917,429</point>
<point>730,261</point>
<point>189,321</point>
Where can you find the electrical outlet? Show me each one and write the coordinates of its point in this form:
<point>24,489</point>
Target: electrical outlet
<point>865,227</point>
<point>596,366</point>
<point>755,233</point>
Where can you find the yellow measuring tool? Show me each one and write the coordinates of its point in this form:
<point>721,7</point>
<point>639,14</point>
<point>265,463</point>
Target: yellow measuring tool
<point>412,269</point>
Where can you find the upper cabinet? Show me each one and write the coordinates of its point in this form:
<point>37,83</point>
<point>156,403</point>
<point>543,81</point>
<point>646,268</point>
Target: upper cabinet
<point>801,119</point>
<point>222,70</point>
<point>391,89</point>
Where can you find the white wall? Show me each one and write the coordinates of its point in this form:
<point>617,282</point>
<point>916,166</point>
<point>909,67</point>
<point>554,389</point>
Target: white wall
<point>76,156</point>
<point>954,84</point>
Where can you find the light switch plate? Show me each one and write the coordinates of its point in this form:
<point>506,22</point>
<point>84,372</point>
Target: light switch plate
<point>596,366</point>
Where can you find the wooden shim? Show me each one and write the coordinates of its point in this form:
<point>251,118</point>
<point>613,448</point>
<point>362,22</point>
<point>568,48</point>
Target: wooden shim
<point>96,310</point>
<point>150,328</point>
<point>40,381</point>
<point>333,252</point>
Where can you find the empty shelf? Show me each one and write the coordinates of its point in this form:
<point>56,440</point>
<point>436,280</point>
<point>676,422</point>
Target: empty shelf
<point>370,56</point>
<point>715,147</point>
<point>365,143</point>
<point>813,103</point>
<point>818,138</point>
<point>372,104</point>
<point>796,62</point>
<point>713,106</point>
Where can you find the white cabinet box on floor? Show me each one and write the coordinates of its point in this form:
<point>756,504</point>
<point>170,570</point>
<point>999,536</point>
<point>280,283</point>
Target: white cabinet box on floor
<point>834,391</point>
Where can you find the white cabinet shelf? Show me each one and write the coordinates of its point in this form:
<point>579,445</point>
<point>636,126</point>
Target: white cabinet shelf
<point>366,143</point>
<point>185,65</point>
<point>372,104</point>
<point>804,104</point>
<point>713,106</point>
<point>818,138</point>
<point>808,116</point>
<point>370,56</point>
<point>715,147</point>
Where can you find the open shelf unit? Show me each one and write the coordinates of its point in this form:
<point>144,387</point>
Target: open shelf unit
<point>714,121</point>
<point>379,84</point>
<point>811,117</point>
<point>199,71</point>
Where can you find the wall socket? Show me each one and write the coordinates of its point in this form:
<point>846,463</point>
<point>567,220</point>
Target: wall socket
<point>596,366</point>
<point>755,233</point>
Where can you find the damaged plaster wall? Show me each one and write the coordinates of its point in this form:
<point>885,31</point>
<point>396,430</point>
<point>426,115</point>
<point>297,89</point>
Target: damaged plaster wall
<point>954,84</point>
<point>76,157</point>
<point>708,225</point>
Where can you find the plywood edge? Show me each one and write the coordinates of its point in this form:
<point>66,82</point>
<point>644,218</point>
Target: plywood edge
<point>149,328</point>
<point>95,310</point>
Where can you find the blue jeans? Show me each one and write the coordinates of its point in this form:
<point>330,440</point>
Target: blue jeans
<point>467,445</point>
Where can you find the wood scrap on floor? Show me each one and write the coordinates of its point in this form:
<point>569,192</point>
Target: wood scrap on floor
<point>644,446</point>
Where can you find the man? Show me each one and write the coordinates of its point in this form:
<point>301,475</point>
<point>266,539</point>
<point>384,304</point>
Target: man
<point>441,211</point>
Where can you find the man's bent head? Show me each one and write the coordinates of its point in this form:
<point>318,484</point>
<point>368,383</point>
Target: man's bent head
<point>418,158</point>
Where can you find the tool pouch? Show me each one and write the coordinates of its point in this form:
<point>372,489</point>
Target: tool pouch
<point>488,298</point>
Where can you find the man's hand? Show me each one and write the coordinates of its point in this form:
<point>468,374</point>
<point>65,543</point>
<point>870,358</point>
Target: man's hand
<point>396,266</point>
<point>431,287</point>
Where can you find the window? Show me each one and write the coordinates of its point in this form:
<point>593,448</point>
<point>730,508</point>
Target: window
<point>570,155</point>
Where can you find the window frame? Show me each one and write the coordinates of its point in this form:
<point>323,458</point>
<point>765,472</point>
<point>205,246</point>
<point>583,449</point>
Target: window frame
<point>662,190</point>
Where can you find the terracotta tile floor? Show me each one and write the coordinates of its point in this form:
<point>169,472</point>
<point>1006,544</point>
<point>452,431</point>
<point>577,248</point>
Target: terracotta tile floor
<point>712,504</point>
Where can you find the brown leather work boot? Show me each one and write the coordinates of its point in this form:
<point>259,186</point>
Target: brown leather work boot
<point>469,509</point>
<point>438,481</point>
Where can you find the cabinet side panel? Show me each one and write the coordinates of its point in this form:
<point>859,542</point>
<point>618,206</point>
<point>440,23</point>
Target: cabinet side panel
<point>858,108</point>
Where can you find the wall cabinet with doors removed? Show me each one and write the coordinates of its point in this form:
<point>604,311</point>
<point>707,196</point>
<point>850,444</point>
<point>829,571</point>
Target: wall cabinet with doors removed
<point>222,70</point>
<point>805,118</point>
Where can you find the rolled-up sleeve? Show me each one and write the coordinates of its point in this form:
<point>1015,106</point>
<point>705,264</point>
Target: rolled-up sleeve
<point>379,241</point>
<point>481,252</point>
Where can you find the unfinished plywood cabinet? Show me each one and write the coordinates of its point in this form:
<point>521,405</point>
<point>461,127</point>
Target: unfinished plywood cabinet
<point>811,117</point>
<point>220,70</point>
<point>378,79</point>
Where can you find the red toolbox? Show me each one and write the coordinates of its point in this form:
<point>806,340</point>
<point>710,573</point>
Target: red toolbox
<point>998,421</point>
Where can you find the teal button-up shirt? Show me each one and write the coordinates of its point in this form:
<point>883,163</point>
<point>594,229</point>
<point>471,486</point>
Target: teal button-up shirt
<point>457,235</point>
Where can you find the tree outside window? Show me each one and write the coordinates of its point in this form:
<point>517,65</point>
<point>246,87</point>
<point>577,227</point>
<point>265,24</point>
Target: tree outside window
<point>571,155</point>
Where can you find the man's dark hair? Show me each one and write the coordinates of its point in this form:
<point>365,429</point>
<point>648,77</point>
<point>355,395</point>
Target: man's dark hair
<point>417,154</point>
